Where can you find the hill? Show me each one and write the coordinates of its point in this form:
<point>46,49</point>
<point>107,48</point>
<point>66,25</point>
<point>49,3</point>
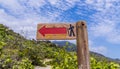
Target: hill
<point>17,52</point>
<point>72,47</point>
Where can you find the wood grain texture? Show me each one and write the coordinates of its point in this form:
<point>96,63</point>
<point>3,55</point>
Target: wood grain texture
<point>82,45</point>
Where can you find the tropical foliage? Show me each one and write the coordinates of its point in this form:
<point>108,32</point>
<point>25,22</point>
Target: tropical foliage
<point>17,52</point>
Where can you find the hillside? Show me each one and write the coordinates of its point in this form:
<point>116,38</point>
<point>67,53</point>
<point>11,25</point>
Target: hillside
<point>72,47</point>
<point>17,52</point>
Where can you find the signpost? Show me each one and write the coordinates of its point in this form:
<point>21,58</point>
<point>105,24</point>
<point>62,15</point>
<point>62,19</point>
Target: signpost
<point>61,31</point>
<point>82,45</point>
<point>56,31</point>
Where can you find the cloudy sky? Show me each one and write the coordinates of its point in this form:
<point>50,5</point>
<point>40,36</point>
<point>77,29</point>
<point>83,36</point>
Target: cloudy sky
<point>102,17</point>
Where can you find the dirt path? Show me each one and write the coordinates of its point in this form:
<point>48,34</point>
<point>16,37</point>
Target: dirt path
<point>38,67</point>
<point>47,67</point>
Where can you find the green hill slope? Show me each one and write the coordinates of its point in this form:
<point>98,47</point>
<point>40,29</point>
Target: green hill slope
<point>17,52</point>
<point>72,47</point>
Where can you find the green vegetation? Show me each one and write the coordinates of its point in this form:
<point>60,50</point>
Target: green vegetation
<point>16,52</point>
<point>68,60</point>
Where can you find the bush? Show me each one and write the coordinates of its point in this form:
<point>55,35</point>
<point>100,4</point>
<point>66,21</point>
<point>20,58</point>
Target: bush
<point>25,63</point>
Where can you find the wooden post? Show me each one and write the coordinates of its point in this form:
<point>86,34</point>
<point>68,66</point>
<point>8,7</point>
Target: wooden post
<point>82,45</point>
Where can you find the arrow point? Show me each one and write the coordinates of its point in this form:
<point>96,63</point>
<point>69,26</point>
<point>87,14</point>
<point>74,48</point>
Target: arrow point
<point>41,31</point>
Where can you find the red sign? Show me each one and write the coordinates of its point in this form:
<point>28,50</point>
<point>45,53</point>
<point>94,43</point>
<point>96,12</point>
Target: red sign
<point>56,31</point>
<point>45,30</point>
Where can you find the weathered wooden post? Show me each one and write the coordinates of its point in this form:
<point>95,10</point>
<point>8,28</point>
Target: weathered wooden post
<point>67,32</point>
<point>82,45</point>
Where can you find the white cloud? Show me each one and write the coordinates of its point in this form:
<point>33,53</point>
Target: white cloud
<point>36,3</point>
<point>99,49</point>
<point>101,5</point>
<point>63,5</point>
<point>106,22</point>
<point>24,15</point>
<point>22,18</point>
<point>18,14</point>
<point>103,28</point>
<point>12,6</point>
<point>96,4</point>
<point>53,2</point>
<point>5,18</point>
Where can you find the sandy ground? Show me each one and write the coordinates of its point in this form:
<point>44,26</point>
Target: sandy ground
<point>37,67</point>
<point>47,67</point>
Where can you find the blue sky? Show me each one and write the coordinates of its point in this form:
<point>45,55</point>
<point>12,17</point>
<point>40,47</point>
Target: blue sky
<point>102,17</point>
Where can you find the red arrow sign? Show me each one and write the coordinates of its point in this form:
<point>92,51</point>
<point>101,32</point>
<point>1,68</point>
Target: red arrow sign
<point>44,30</point>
